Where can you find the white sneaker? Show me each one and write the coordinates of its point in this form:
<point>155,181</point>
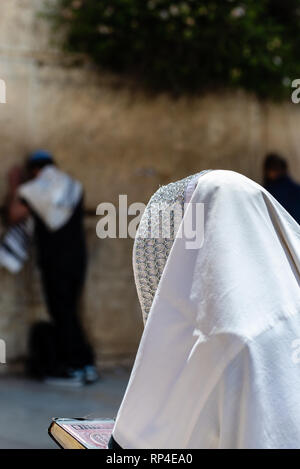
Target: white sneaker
<point>91,374</point>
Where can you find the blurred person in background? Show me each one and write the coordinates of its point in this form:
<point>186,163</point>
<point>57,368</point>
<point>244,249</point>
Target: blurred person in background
<point>279,183</point>
<point>59,351</point>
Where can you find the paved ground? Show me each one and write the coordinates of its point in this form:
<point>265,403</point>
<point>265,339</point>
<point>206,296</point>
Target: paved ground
<point>26,407</point>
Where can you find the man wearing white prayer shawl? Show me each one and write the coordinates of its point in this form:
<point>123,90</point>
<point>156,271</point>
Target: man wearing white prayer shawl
<point>218,364</point>
<point>52,200</point>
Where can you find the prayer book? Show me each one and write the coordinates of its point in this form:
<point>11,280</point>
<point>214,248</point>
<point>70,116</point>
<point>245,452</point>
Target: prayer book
<point>81,433</point>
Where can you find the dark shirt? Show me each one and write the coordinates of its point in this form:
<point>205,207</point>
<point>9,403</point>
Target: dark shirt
<point>287,192</point>
<point>112,444</point>
<point>64,246</point>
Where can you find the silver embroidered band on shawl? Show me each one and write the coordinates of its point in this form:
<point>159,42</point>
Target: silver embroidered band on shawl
<point>156,234</point>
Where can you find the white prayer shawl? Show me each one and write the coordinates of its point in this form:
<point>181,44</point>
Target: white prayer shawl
<point>52,195</point>
<point>218,365</point>
<point>14,246</point>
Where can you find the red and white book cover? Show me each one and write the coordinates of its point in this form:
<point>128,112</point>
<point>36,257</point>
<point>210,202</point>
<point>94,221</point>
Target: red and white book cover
<point>92,434</point>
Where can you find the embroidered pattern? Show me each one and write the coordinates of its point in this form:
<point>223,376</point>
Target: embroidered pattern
<point>150,253</point>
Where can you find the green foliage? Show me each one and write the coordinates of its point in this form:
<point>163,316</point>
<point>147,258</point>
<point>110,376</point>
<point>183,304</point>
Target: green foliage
<point>190,45</point>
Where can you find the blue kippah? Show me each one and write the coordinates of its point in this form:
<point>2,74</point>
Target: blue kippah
<point>39,155</point>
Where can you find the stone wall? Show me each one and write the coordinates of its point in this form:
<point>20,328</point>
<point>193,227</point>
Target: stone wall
<point>116,140</point>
